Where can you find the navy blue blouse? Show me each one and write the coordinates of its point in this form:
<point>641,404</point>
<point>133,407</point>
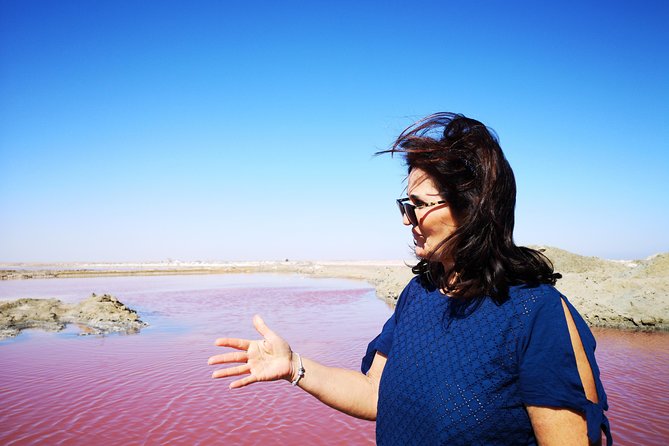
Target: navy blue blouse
<point>454,378</point>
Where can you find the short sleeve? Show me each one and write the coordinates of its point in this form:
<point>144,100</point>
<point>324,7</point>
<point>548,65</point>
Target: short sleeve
<point>548,375</point>
<point>384,341</point>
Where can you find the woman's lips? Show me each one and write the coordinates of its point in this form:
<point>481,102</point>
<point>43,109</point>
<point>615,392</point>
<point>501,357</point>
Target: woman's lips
<point>417,239</point>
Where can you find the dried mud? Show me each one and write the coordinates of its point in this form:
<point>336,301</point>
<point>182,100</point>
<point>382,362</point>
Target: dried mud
<point>94,315</point>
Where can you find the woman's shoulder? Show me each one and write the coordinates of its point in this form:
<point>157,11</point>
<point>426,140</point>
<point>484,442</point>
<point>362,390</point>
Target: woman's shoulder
<point>534,295</point>
<point>542,306</point>
<point>530,302</point>
<point>415,287</point>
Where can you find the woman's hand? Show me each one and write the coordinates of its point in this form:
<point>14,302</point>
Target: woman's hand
<point>271,359</point>
<point>267,359</point>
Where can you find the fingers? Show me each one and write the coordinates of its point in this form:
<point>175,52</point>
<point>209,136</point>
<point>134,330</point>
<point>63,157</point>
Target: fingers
<point>232,371</point>
<point>261,327</point>
<point>239,344</point>
<point>241,356</point>
<point>228,357</point>
<point>243,382</point>
<point>243,344</point>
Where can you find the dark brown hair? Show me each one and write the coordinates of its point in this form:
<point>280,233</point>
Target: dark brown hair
<point>466,162</point>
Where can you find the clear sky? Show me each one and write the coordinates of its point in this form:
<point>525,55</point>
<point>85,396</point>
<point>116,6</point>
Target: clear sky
<point>220,130</point>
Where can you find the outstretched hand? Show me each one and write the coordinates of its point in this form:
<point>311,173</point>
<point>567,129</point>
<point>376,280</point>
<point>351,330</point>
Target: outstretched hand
<point>267,359</point>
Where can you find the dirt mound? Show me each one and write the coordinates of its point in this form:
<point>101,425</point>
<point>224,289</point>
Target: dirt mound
<point>95,315</point>
<point>654,266</point>
<point>614,293</point>
<point>568,262</point>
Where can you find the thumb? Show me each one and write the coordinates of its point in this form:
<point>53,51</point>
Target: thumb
<point>260,326</point>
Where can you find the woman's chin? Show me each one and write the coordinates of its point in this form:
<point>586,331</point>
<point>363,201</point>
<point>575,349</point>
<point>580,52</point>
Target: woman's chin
<point>421,253</point>
<point>424,253</point>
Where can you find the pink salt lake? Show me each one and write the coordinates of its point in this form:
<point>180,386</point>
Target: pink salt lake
<point>155,387</point>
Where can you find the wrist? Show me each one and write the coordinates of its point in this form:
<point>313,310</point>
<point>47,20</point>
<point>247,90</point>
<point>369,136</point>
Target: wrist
<point>292,368</point>
<point>297,368</point>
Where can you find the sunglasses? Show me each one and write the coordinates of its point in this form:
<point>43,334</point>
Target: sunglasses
<point>409,209</point>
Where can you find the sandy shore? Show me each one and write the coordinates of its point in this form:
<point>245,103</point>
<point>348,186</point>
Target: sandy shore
<point>608,293</point>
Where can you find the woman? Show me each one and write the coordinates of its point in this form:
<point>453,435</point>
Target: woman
<point>481,349</point>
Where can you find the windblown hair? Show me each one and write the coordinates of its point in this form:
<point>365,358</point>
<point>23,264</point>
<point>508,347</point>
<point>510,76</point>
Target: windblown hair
<point>467,164</point>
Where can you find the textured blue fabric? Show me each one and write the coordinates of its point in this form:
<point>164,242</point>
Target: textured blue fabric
<point>455,378</point>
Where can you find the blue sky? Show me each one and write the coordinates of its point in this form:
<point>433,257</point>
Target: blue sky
<point>245,130</point>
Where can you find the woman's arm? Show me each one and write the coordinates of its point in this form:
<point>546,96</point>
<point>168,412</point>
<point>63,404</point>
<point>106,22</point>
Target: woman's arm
<point>348,391</point>
<point>564,427</point>
<point>271,359</point>
<point>558,427</point>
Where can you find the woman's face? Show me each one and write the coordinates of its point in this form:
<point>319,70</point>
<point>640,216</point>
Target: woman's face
<point>436,222</point>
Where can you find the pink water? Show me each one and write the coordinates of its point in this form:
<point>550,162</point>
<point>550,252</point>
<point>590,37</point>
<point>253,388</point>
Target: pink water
<point>155,387</point>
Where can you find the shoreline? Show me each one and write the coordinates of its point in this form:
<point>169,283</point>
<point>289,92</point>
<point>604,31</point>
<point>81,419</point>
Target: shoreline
<point>608,293</point>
